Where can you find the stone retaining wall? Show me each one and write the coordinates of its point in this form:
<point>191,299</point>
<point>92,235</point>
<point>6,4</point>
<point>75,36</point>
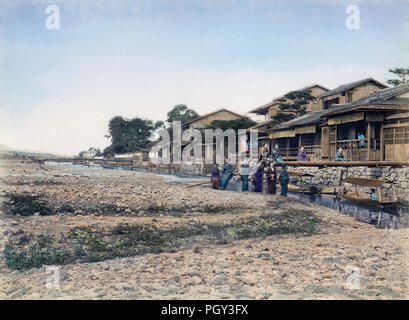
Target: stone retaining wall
<point>331,176</point>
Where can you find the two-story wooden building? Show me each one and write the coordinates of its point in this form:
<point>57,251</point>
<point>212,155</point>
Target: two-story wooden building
<point>272,108</point>
<point>379,115</point>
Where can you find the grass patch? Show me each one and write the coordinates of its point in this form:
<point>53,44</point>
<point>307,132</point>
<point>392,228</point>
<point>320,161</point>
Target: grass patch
<point>25,205</point>
<point>39,254</point>
<point>137,239</point>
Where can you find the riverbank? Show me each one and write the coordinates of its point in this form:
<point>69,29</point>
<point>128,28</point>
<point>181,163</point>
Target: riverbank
<point>209,244</point>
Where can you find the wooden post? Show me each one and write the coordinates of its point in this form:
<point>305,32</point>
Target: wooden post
<point>379,194</point>
<point>368,134</point>
<point>382,156</point>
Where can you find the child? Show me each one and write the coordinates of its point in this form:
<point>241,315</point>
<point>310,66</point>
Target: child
<point>374,196</point>
<point>276,154</point>
<point>215,178</point>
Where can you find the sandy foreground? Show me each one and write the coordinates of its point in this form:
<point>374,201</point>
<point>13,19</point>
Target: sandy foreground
<point>343,259</point>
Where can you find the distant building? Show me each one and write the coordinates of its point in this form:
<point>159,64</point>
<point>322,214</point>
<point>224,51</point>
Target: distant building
<point>271,109</point>
<point>349,92</point>
<point>206,119</point>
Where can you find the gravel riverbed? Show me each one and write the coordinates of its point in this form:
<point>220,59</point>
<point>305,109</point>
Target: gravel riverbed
<point>334,258</point>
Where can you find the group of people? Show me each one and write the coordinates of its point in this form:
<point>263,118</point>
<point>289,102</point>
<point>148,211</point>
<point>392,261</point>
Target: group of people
<point>265,165</point>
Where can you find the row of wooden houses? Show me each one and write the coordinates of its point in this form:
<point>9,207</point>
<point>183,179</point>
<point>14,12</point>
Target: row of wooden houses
<point>336,117</point>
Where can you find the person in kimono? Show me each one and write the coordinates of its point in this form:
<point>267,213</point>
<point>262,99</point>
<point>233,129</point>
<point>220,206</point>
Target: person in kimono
<point>264,155</point>
<point>258,178</point>
<point>302,156</point>
<point>276,155</point>
<point>272,178</point>
<point>374,196</point>
<point>284,180</point>
<point>244,174</point>
<point>361,138</point>
<point>215,177</point>
<point>339,156</point>
<point>227,174</point>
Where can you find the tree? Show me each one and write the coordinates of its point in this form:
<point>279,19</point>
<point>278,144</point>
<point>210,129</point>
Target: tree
<point>402,74</point>
<point>181,113</point>
<point>159,124</point>
<point>109,151</point>
<point>294,105</point>
<point>242,123</point>
<point>128,135</point>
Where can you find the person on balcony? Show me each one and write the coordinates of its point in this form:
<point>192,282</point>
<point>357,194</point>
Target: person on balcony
<point>215,177</point>
<point>284,180</point>
<point>227,174</point>
<point>339,156</point>
<point>276,155</point>
<point>361,138</point>
<point>302,156</point>
<point>258,178</point>
<point>272,178</point>
<point>374,196</point>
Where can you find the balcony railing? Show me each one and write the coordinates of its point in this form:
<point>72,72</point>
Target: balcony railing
<point>357,149</point>
<point>313,153</point>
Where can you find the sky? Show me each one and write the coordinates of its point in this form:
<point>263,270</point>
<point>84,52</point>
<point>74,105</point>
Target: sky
<point>60,87</point>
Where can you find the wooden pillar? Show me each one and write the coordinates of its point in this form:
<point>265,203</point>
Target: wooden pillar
<point>368,134</point>
<point>382,156</point>
<point>299,140</point>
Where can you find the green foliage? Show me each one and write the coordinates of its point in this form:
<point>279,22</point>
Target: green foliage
<point>25,205</point>
<point>128,135</point>
<point>36,256</point>
<point>242,123</point>
<point>181,113</point>
<point>159,124</point>
<point>136,239</point>
<point>402,74</point>
<point>87,237</point>
<point>294,105</point>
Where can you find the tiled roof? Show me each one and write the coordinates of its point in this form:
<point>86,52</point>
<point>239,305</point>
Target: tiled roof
<point>351,85</point>
<point>264,107</point>
<point>382,97</point>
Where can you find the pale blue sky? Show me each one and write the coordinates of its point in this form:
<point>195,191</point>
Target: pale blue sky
<point>60,87</point>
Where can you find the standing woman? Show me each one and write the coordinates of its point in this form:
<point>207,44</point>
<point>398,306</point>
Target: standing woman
<point>284,179</point>
<point>227,174</point>
<point>258,178</point>
<point>215,178</point>
<point>244,174</point>
<point>272,178</point>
